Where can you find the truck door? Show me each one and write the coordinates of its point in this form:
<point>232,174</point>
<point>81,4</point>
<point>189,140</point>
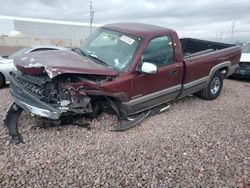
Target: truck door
<point>165,84</point>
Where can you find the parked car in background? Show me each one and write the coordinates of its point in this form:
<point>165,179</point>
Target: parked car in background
<point>6,62</point>
<point>243,69</point>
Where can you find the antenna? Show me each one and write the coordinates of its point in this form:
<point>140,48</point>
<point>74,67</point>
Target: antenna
<point>91,16</point>
<point>221,32</point>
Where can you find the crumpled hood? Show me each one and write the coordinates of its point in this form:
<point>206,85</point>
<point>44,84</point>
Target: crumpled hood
<point>57,62</point>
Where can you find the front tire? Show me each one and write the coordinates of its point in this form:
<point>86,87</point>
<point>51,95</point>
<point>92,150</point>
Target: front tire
<point>2,80</point>
<point>213,89</point>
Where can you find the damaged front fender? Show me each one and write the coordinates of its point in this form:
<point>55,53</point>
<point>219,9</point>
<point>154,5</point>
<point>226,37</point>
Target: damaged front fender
<point>10,122</point>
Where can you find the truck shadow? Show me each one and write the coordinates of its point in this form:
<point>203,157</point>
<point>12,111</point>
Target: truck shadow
<point>247,80</point>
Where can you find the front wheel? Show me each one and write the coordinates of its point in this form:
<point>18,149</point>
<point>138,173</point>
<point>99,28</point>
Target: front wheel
<point>213,89</point>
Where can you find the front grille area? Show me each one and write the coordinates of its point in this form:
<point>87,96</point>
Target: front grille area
<point>42,92</point>
<point>35,88</point>
<point>244,65</point>
<point>39,86</point>
<point>31,87</point>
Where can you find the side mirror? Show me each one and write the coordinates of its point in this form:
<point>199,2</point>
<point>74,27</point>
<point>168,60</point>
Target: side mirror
<point>148,68</point>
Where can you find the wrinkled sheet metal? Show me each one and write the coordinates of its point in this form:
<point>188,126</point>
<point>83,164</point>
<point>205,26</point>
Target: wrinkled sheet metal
<point>57,62</point>
<point>11,121</point>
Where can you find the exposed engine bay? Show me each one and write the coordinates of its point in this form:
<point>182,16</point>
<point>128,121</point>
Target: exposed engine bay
<point>66,94</point>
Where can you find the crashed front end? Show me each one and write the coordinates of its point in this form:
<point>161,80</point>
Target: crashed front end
<point>66,95</point>
<point>43,97</point>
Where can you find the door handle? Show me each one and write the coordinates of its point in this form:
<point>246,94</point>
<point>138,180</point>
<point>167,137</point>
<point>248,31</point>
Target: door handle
<point>173,73</point>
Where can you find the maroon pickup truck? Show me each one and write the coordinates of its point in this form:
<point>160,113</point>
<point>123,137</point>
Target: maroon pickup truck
<point>131,70</point>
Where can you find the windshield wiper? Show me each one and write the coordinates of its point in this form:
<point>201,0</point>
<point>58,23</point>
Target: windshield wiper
<point>79,51</point>
<point>99,60</point>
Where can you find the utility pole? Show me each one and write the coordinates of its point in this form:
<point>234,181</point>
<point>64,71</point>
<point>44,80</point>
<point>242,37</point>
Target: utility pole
<point>221,32</point>
<point>91,16</point>
<point>232,33</point>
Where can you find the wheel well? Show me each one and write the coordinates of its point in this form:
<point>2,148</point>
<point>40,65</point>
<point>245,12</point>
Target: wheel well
<point>120,109</point>
<point>110,104</point>
<point>224,71</point>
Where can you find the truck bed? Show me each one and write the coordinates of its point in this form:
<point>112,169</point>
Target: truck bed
<point>193,47</point>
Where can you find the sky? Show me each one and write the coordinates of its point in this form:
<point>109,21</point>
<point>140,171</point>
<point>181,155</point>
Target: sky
<point>209,19</point>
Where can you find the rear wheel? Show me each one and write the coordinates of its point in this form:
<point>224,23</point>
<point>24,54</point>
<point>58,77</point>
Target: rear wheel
<point>2,80</point>
<point>213,89</point>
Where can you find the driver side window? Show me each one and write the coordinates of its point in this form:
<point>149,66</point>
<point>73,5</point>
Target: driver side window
<point>159,51</point>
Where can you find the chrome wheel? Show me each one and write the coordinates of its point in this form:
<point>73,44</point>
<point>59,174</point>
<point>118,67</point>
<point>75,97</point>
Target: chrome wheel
<point>213,89</point>
<point>215,85</point>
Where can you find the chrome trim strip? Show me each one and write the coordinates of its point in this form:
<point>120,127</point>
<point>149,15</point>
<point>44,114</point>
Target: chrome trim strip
<point>195,82</point>
<point>136,96</point>
<point>154,95</point>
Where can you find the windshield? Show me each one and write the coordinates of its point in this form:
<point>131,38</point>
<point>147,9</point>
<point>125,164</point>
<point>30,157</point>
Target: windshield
<point>246,48</point>
<point>20,52</point>
<point>113,48</point>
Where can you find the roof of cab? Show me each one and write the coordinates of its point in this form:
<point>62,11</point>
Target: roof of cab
<point>138,29</point>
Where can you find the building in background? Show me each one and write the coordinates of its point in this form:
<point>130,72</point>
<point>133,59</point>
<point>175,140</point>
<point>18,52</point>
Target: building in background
<point>43,31</point>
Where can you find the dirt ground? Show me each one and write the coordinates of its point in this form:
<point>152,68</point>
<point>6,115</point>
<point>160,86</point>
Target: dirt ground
<point>196,143</point>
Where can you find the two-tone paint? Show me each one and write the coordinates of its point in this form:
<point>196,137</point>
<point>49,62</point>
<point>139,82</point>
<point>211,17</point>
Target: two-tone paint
<point>134,90</point>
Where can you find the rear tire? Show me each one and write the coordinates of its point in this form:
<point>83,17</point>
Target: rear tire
<point>2,80</point>
<point>213,89</point>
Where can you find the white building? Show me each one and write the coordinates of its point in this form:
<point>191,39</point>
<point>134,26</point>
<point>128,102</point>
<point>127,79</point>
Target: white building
<point>43,28</point>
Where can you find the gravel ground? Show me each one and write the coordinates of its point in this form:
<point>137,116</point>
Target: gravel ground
<point>196,143</point>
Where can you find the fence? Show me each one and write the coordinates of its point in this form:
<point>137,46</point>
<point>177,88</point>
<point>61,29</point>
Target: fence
<point>23,41</point>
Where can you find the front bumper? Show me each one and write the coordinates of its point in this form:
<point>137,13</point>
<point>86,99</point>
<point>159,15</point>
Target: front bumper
<point>30,103</point>
<point>41,112</point>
